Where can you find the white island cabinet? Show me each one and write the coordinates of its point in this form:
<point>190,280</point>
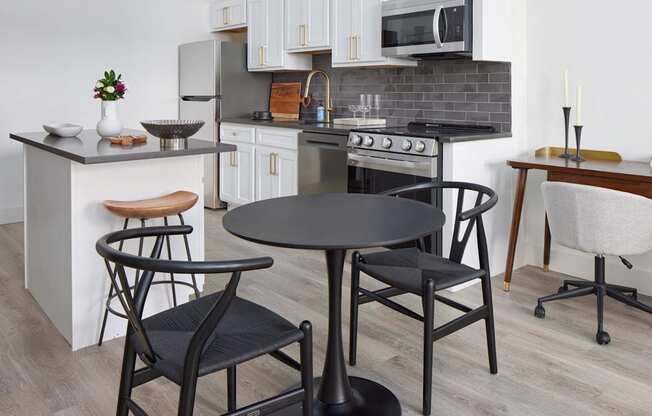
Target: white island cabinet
<point>265,39</point>
<point>266,165</point>
<point>66,182</point>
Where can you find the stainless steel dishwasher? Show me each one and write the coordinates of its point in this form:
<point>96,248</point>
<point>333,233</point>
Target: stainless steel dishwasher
<point>322,163</point>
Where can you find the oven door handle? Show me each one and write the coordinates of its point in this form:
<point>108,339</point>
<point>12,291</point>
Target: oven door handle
<point>391,165</point>
<point>435,26</point>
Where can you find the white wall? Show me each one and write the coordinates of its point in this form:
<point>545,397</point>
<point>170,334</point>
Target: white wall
<point>52,52</point>
<point>609,55</point>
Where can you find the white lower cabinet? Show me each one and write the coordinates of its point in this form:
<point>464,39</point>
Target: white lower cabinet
<point>276,172</point>
<point>263,167</point>
<point>237,174</point>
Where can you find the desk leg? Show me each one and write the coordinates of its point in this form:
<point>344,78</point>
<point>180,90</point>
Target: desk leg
<point>516,221</point>
<point>546,247</point>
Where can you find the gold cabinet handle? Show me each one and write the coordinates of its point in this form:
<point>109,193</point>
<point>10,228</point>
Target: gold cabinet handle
<point>273,162</point>
<point>349,54</point>
<point>225,15</point>
<point>356,38</point>
<point>300,40</point>
<point>306,33</point>
<point>260,56</point>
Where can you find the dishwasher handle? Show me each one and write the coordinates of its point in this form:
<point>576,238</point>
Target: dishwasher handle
<point>324,141</point>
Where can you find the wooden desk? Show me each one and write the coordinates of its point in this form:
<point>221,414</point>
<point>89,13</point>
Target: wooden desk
<point>627,176</point>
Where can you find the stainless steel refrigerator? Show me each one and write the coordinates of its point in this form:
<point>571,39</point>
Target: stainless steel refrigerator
<point>214,84</point>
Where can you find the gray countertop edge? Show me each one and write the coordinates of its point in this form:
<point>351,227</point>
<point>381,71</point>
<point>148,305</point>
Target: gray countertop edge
<point>91,160</point>
<point>475,138</point>
<point>340,129</point>
<point>291,124</point>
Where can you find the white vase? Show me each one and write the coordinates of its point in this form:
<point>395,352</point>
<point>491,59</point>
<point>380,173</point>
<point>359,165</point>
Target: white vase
<point>109,125</point>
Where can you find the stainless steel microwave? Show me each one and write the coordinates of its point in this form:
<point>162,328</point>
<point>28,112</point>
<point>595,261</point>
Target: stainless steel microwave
<point>421,28</point>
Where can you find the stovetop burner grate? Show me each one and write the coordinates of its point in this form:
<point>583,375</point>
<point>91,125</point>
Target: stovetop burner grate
<point>430,130</point>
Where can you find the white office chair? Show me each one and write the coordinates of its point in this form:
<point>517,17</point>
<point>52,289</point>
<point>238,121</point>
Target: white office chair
<point>603,222</point>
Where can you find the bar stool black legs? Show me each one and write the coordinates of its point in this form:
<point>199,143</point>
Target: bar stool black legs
<point>187,245</point>
<point>172,282</point>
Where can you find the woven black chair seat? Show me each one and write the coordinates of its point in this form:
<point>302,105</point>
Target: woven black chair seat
<point>407,269</point>
<point>245,332</point>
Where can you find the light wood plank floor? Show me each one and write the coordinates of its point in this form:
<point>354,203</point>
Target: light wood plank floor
<point>550,367</point>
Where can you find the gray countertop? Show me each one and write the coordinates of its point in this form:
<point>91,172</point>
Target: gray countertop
<point>312,126</point>
<point>89,148</point>
<point>305,125</point>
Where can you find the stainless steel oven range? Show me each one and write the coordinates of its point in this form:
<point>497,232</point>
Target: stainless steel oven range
<point>381,159</point>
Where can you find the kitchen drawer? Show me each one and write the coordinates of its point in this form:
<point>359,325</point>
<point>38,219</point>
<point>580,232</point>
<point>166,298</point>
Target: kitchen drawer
<point>276,137</point>
<point>236,133</point>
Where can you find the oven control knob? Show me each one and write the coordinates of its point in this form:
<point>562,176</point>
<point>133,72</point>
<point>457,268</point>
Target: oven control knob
<point>387,142</point>
<point>420,146</point>
<point>406,145</point>
<point>368,141</point>
<point>356,140</point>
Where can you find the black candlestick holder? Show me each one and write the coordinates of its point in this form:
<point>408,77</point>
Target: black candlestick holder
<point>567,111</point>
<point>578,139</point>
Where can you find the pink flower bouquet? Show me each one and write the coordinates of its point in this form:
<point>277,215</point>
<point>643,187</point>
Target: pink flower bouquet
<point>110,88</point>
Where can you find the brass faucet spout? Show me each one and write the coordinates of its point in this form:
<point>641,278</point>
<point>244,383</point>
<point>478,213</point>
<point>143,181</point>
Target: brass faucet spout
<point>329,103</point>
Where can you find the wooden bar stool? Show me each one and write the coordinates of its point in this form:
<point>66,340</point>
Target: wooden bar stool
<point>147,209</point>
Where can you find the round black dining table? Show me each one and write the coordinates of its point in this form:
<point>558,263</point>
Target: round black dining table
<point>335,223</point>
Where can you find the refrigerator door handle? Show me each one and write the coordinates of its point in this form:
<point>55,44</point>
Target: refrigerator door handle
<point>198,98</point>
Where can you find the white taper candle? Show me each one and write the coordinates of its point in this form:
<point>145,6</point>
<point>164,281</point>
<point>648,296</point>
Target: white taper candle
<point>566,98</point>
<point>579,106</point>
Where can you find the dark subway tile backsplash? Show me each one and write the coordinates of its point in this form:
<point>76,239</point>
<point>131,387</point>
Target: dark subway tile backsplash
<point>455,91</point>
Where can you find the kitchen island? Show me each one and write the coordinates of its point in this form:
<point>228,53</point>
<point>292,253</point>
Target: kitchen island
<point>66,182</point>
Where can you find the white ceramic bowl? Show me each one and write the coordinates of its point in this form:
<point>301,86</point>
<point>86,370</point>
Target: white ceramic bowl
<point>63,129</point>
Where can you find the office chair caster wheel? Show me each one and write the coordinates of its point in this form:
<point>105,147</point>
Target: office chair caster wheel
<point>602,338</point>
<point>540,312</point>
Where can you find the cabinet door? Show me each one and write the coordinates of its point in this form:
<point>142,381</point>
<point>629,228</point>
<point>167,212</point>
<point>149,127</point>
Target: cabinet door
<point>266,183</point>
<point>317,22</point>
<point>276,172</point>
<point>367,21</point>
<point>226,14</point>
<point>237,12</point>
<point>342,30</point>
<point>245,174</point>
<point>294,24</point>
<point>256,32</point>
<point>228,177</point>
<point>274,48</point>
<point>285,168</point>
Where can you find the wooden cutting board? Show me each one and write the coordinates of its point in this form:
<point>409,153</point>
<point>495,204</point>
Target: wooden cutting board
<point>285,99</point>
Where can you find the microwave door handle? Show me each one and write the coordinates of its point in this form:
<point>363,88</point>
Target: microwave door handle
<point>435,27</point>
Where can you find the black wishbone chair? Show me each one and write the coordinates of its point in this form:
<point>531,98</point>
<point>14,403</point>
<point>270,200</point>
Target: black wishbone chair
<point>215,332</point>
<point>412,270</point>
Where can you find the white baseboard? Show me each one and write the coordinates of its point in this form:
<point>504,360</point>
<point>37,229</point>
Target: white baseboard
<point>578,264</point>
<point>11,215</point>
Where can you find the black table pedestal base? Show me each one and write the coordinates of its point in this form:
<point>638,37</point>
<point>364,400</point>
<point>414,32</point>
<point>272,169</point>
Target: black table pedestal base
<point>369,399</point>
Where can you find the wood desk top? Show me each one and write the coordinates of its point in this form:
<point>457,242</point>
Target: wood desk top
<point>624,170</point>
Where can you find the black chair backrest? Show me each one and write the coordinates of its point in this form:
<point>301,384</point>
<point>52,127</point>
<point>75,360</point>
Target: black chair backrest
<point>133,305</point>
<point>472,215</point>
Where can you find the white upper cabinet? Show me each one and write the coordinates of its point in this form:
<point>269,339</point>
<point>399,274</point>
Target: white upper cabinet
<point>265,39</point>
<point>498,26</point>
<point>228,14</point>
<point>356,30</point>
<point>307,25</point>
